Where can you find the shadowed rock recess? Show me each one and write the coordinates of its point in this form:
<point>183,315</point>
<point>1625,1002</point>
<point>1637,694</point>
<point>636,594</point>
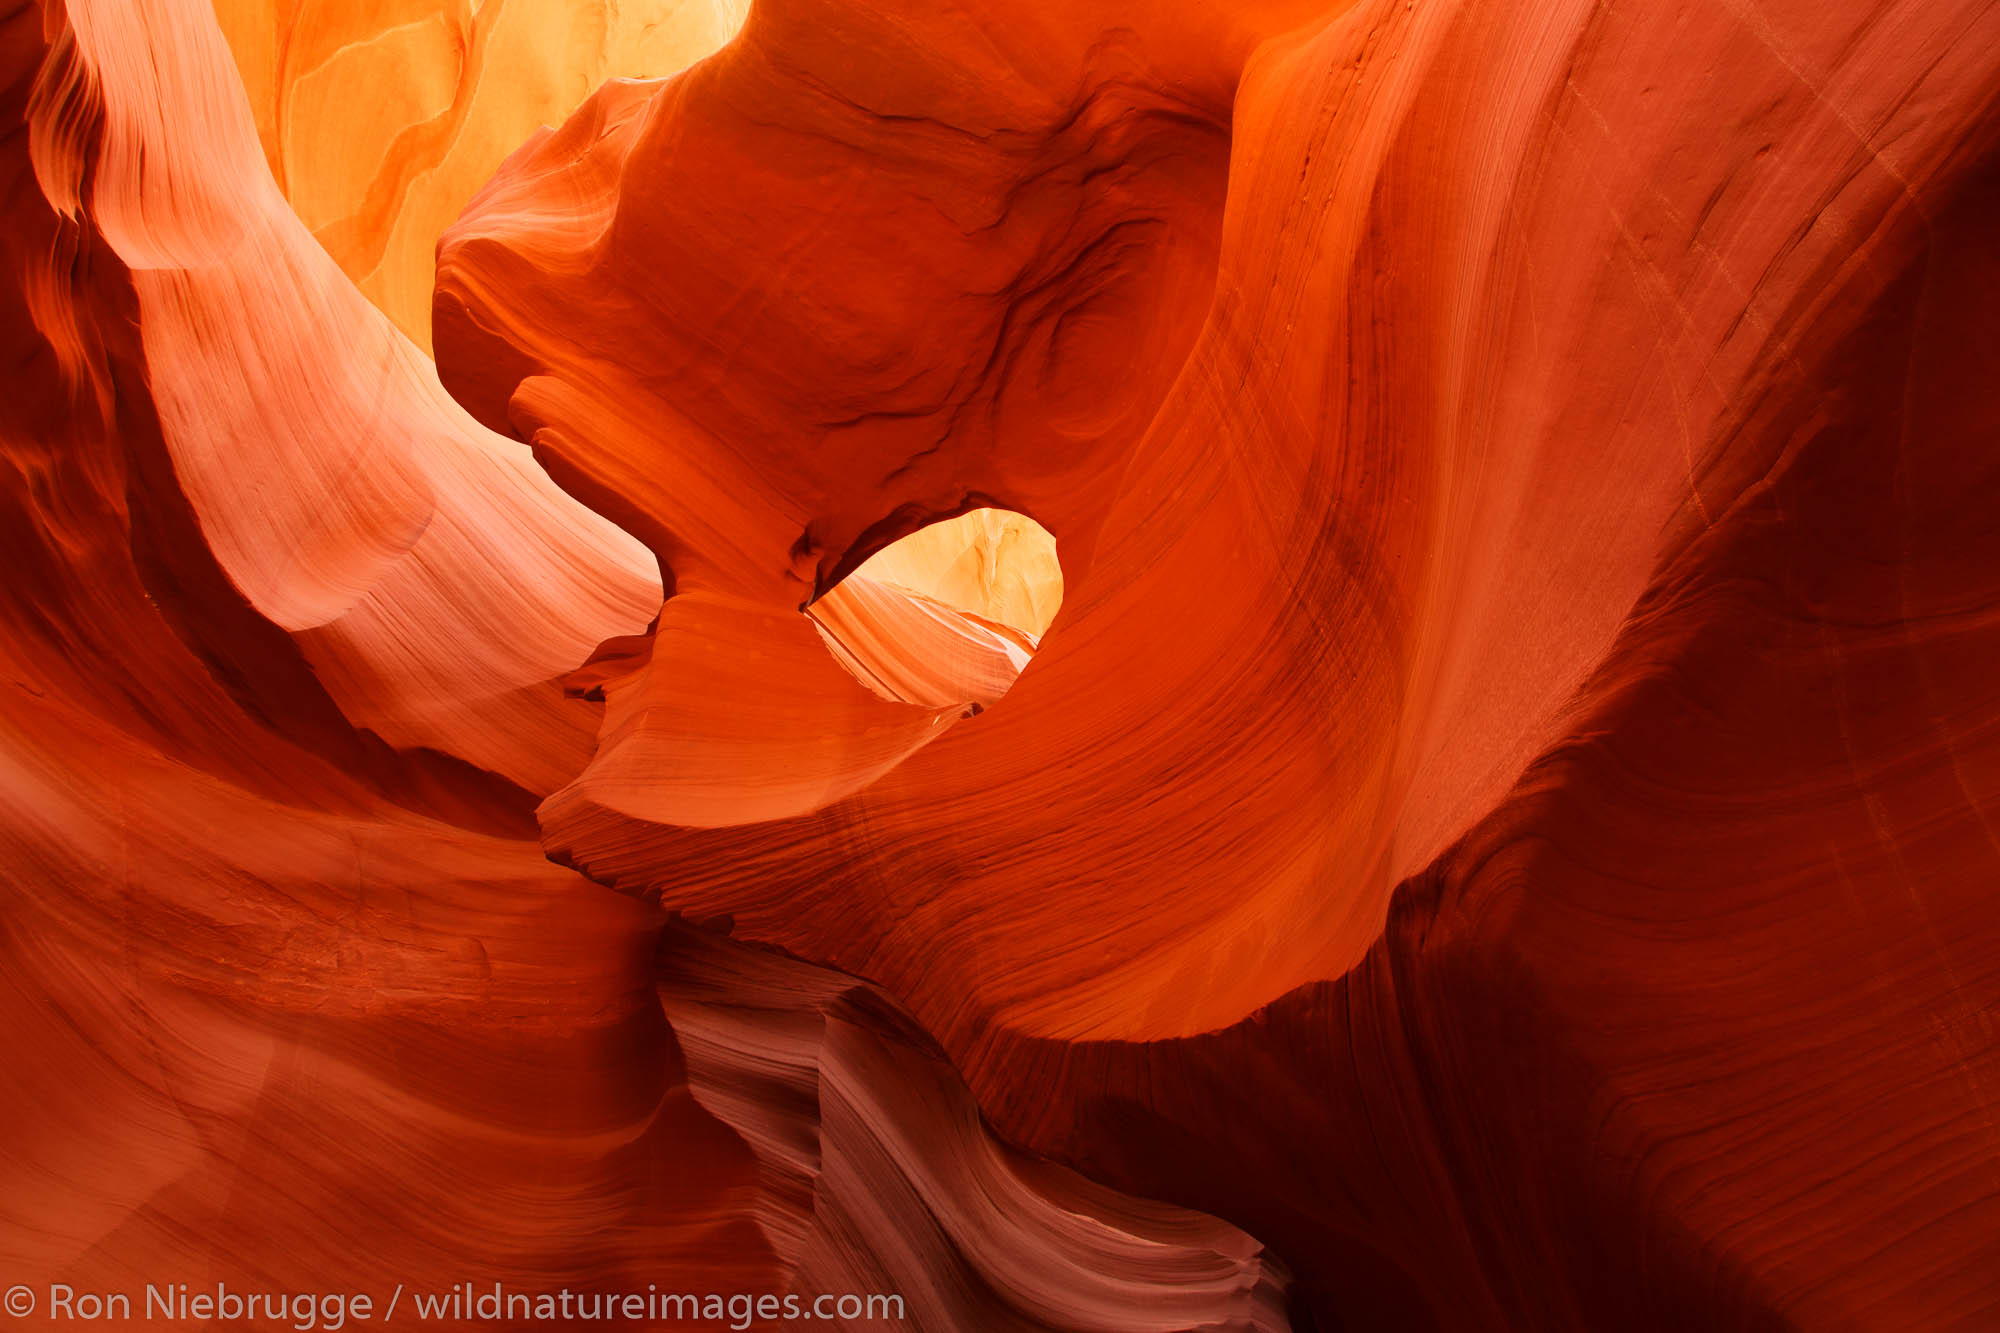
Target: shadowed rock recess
<point>1108,665</point>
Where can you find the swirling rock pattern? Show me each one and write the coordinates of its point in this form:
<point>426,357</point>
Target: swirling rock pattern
<point>845,1100</point>
<point>1415,475</point>
<point>294,1001</point>
<point>1575,384</point>
<point>1501,821</point>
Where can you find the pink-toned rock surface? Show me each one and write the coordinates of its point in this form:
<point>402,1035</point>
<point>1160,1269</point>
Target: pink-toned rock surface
<point>433,576</point>
<point>848,1104</point>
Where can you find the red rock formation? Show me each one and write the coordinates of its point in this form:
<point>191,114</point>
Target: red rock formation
<point>284,1006</point>
<point>294,1002</point>
<point>1695,1030</point>
<point>1580,382</point>
<point>1415,475</point>
<point>1502,815</point>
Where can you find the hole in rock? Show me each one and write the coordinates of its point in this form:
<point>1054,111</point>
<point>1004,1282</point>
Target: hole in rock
<point>948,616</point>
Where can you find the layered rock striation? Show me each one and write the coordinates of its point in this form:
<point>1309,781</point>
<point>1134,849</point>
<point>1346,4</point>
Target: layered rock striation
<point>295,1002</point>
<point>1542,505</point>
<point>1489,821</point>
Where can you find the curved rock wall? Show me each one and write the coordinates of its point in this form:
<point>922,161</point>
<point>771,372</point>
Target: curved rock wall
<point>294,1001</point>
<point>380,120</point>
<point>1499,834</point>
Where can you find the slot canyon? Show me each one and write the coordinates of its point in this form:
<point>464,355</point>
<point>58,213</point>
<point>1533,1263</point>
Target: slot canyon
<point>1119,666</point>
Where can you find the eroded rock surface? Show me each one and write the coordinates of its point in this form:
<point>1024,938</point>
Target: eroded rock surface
<point>1501,822</point>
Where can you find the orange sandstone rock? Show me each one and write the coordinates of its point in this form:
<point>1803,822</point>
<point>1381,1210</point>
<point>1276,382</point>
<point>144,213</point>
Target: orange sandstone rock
<point>380,120</point>
<point>1501,816</point>
<point>294,1003</point>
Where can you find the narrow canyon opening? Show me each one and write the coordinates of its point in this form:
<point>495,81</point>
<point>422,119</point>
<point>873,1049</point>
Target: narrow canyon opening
<point>948,616</point>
